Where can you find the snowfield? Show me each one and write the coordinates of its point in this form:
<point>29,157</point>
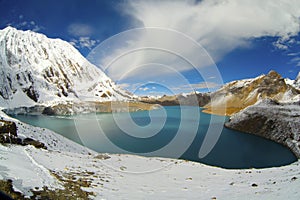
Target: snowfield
<point>114,176</point>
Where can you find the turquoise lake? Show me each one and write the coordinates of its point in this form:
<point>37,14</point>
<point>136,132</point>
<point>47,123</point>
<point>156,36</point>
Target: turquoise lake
<point>154,133</point>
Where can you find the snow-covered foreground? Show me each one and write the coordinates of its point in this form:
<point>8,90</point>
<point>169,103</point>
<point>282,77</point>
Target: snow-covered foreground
<point>176,178</point>
<point>134,177</point>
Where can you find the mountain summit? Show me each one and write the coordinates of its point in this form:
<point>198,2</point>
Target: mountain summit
<point>237,95</point>
<point>36,69</point>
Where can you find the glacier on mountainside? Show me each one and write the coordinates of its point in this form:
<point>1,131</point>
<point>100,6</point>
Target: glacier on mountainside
<point>35,69</point>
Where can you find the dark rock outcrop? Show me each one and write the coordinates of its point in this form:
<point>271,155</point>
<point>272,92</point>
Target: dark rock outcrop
<point>192,99</point>
<point>9,192</point>
<point>36,144</point>
<point>279,122</point>
<point>33,110</point>
<point>96,107</point>
<point>48,111</point>
<point>9,139</point>
<point>8,135</point>
<point>8,127</point>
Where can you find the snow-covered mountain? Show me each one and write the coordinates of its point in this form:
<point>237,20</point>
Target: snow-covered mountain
<point>237,95</point>
<point>35,69</point>
<point>296,83</point>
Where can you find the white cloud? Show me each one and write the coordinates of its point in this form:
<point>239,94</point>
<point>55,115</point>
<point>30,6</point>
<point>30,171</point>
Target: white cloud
<point>82,35</point>
<point>280,45</point>
<point>295,60</point>
<point>29,25</point>
<point>294,54</point>
<point>204,85</point>
<point>220,26</point>
<point>80,30</point>
<point>144,88</point>
<point>84,42</point>
<point>124,85</point>
<point>196,86</point>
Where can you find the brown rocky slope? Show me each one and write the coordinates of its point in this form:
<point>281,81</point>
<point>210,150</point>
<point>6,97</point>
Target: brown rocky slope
<point>237,95</point>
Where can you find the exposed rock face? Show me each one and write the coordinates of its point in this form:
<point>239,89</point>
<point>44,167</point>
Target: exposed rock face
<point>38,109</point>
<point>6,186</point>
<point>8,127</point>
<point>279,122</point>
<point>8,134</point>
<point>238,95</point>
<point>36,144</point>
<point>82,107</point>
<point>192,99</point>
<point>97,107</point>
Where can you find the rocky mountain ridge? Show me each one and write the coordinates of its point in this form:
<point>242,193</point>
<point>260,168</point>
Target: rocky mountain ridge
<point>191,99</point>
<point>237,95</point>
<point>270,119</point>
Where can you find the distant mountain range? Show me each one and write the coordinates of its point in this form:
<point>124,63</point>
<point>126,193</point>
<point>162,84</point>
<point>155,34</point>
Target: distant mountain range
<point>38,70</point>
<point>237,95</point>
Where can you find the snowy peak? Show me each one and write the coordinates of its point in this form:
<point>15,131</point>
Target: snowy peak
<point>297,81</point>
<point>240,94</point>
<point>42,70</point>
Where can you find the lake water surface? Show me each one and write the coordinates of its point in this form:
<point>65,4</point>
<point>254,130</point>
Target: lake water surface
<point>154,132</point>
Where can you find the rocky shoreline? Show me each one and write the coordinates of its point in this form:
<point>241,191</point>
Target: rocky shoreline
<point>279,122</point>
<point>73,108</point>
<point>191,99</point>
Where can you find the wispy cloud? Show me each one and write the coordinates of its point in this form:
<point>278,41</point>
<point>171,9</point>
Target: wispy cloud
<point>280,44</point>
<point>204,85</point>
<point>80,30</point>
<point>82,35</point>
<point>124,85</point>
<point>295,58</point>
<point>196,86</point>
<point>144,88</point>
<point>84,42</point>
<point>296,61</point>
<point>285,43</point>
<point>29,25</point>
<point>294,54</point>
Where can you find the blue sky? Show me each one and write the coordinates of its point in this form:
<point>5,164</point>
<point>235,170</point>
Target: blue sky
<point>245,39</point>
